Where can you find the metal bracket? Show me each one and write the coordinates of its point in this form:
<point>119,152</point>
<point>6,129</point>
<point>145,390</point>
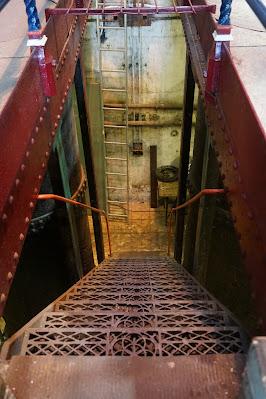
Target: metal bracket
<point>221,35</point>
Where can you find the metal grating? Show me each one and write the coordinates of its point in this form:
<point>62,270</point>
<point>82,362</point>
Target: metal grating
<point>134,307</point>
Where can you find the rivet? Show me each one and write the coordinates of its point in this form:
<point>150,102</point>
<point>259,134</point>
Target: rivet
<point>11,199</point>
<point>250,215</point>
<point>58,116</point>
<point>35,190</point>
<point>2,298</point>
<point>17,182</point>
<point>67,50</point>
<point>50,144</point>
<point>32,141</point>
<point>41,118</point>
<point>53,133</point>
<point>56,125</point>
<point>4,216</point>
<point>47,100</point>
<point>61,108</point>
<point>57,76</point>
<point>62,62</point>
<point>15,255</point>
<point>27,220</point>
<point>67,87</point>
<point>43,165</point>
<point>44,109</point>
<point>235,165</point>
<point>21,237</point>
<point>22,167</point>
<point>31,204</point>
<point>64,100</point>
<point>9,276</point>
<point>244,196</point>
<point>27,154</point>
<point>36,129</point>
<point>47,154</point>
<point>40,177</point>
<point>65,93</point>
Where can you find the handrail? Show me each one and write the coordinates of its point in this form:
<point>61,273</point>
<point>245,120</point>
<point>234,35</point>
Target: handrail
<point>202,193</point>
<point>76,203</point>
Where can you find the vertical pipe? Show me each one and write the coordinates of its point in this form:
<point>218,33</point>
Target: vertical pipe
<point>194,186</point>
<point>84,127</point>
<point>154,183</point>
<point>189,89</point>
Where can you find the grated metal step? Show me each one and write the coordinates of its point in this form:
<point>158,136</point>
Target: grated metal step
<point>147,306</point>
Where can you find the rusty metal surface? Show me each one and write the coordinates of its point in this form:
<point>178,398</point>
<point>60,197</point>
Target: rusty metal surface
<point>238,138</point>
<point>28,124</point>
<point>201,377</point>
<point>132,307</point>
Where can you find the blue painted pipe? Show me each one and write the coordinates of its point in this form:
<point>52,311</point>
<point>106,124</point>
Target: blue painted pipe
<point>259,9</point>
<point>32,14</point>
<point>225,12</point>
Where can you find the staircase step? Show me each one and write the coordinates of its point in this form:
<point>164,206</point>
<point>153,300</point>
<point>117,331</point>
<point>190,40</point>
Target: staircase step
<point>133,308</point>
<point>61,377</point>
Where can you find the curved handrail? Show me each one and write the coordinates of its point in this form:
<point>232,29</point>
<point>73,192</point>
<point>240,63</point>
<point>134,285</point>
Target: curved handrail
<point>76,203</point>
<point>202,193</point>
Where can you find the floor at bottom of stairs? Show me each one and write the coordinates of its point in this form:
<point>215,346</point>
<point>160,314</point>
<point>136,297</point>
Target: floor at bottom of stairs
<point>201,377</point>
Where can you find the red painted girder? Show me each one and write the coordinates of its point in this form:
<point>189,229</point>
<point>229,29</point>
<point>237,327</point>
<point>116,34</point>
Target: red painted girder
<point>239,140</point>
<point>132,10</point>
<point>28,123</point>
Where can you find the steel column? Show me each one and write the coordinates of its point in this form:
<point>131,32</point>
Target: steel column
<point>85,132</point>
<point>189,90</point>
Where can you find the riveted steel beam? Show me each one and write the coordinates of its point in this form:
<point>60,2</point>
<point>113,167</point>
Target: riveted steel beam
<point>28,124</point>
<point>240,147</point>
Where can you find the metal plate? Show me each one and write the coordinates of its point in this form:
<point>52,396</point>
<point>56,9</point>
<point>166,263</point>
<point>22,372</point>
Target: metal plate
<point>201,377</point>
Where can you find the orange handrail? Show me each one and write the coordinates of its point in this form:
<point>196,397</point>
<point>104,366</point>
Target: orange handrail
<point>76,203</point>
<point>206,191</point>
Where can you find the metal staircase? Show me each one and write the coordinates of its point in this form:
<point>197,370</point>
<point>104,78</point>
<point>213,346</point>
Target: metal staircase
<point>113,67</point>
<point>130,307</point>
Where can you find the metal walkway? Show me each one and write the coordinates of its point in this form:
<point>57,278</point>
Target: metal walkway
<point>141,307</point>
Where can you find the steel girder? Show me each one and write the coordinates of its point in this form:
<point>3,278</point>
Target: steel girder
<point>28,126</point>
<point>238,138</point>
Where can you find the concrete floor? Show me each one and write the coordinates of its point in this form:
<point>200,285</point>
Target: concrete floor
<point>145,230</point>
